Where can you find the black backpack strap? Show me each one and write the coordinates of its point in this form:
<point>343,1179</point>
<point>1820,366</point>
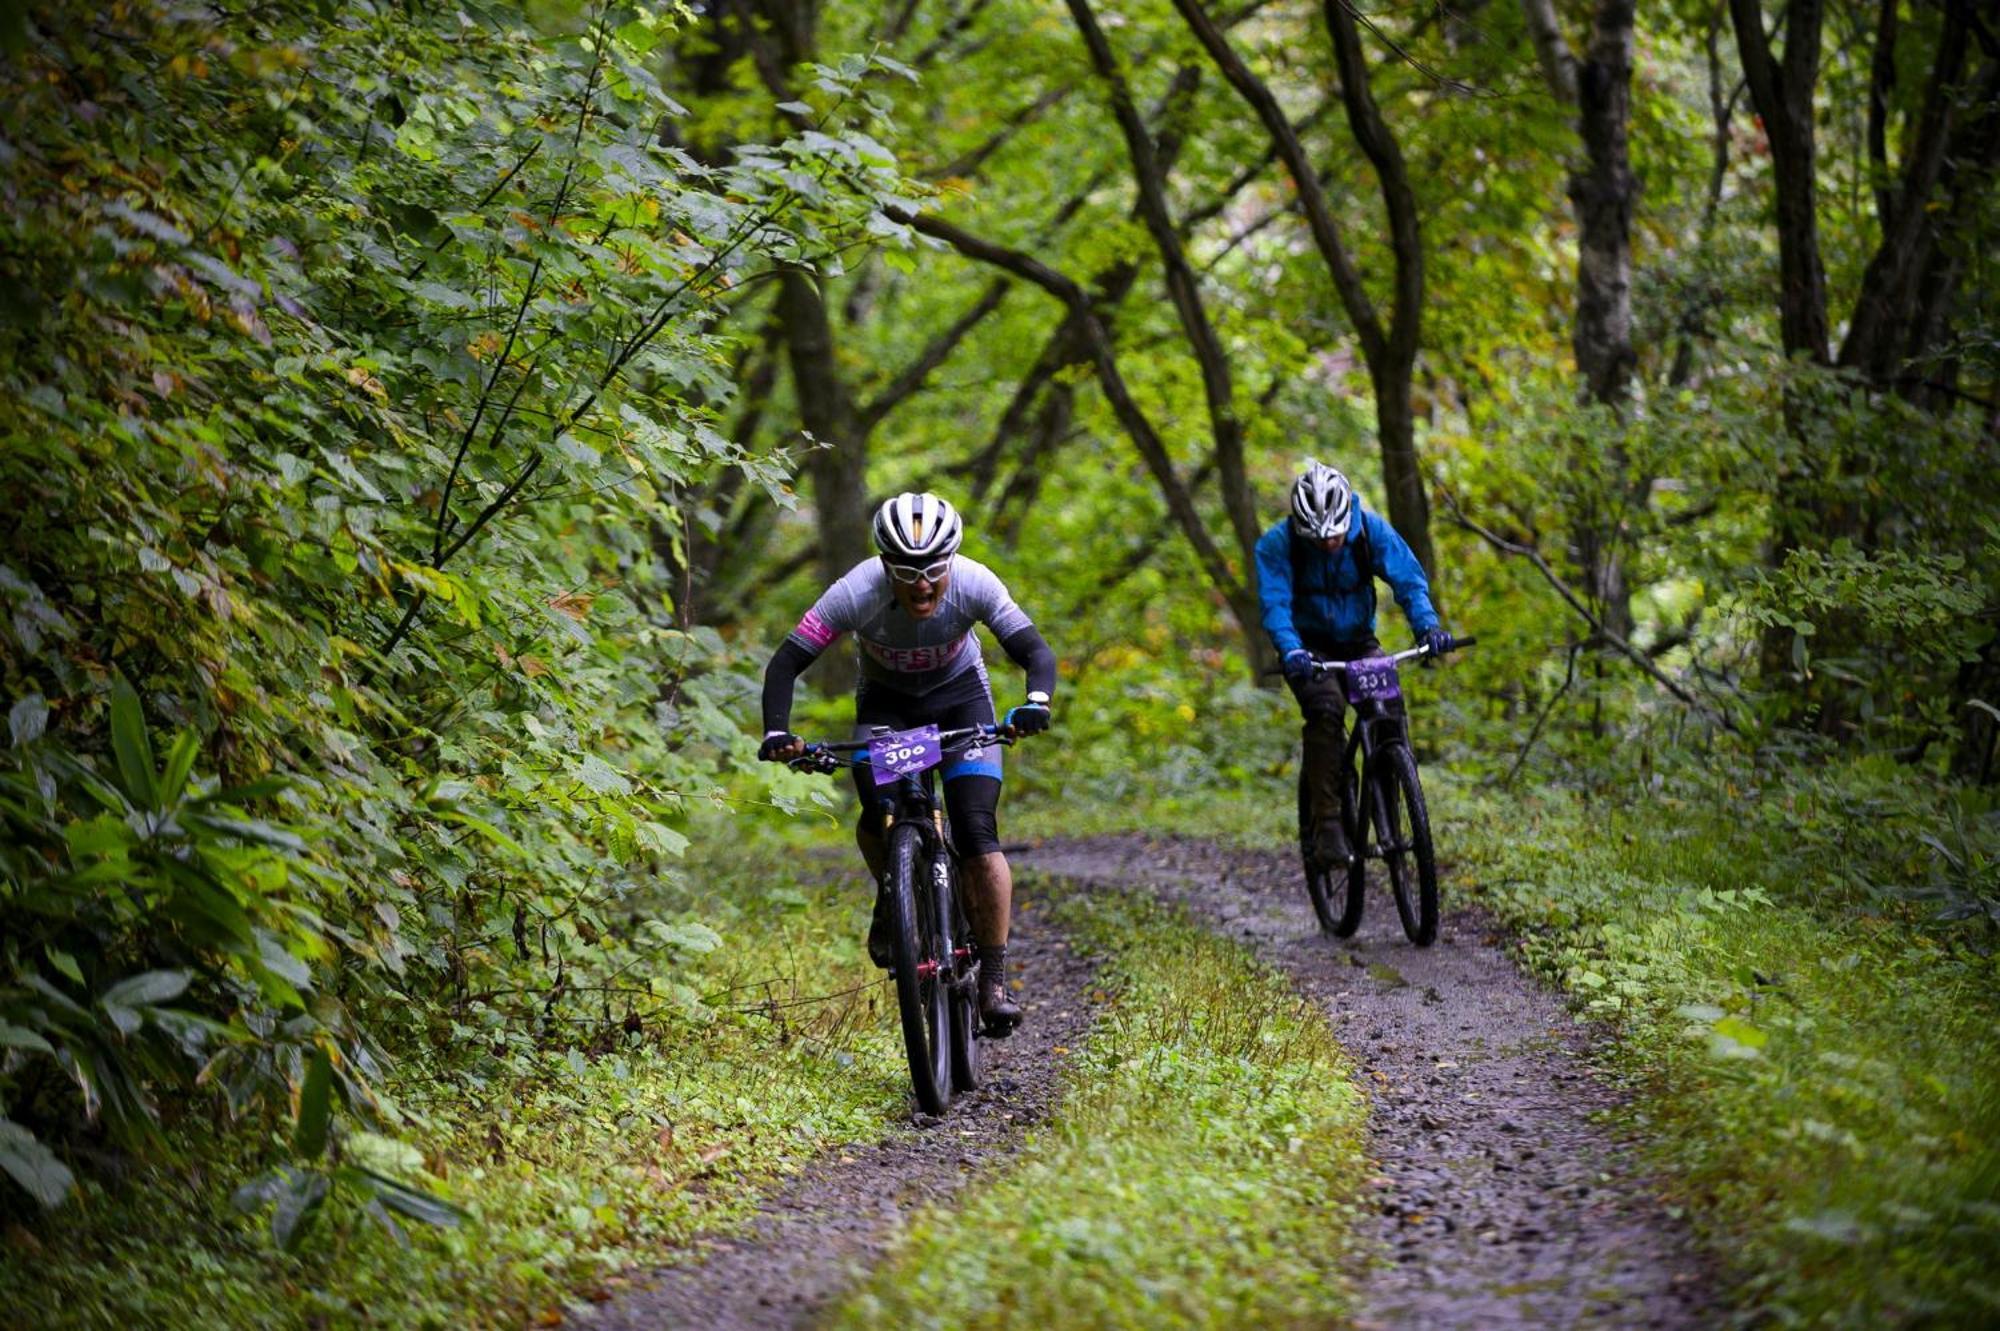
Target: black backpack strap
<point>1364,560</point>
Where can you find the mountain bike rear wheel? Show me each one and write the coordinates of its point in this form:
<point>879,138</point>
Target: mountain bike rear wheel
<point>1336,893</point>
<point>922,997</point>
<point>1404,824</point>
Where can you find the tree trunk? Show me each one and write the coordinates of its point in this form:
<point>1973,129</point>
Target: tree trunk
<point>839,466</point>
<point>1409,503</point>
<point>1783,96</point>
<point>1390,355</point>
<point>1889,298</point>
<point>1183,288</point>
<point>1601,190</point>
<point>1603,193</point>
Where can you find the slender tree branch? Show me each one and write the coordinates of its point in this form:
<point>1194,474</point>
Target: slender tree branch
<point>934,354</point>
<point>1305,179</point>
<point>1570,598</point>
<point>1569,679</point>
<point>1183,287</point>
<point>444,518</point>
<point>1152,450</point>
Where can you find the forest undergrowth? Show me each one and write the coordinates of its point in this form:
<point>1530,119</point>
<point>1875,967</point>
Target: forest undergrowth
<point>1815,1053</point>
<point>572,1156</point>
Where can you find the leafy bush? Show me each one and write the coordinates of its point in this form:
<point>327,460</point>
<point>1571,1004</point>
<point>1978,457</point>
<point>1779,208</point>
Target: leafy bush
<point>161,934</point>
<point>358,362</point>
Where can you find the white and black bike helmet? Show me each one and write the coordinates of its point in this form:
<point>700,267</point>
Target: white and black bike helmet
<point>1322,503</point>
<point>917,529</point>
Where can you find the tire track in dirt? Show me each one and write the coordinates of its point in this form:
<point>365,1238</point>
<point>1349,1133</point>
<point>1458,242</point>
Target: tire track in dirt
<point>1501,1200</point>
<point>831,1223</point>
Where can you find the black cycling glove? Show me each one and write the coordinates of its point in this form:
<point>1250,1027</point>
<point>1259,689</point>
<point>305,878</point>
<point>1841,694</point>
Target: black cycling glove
<point>774,744</point>
<point>1030,718</point>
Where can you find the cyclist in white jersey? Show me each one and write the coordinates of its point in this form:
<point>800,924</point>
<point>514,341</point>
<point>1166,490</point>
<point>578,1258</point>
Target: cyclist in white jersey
<point>913,612</point>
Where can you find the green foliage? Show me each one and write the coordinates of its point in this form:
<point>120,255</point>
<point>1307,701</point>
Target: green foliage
<point>1814,1041</point>
<point>564,1158</point>
<point>405,423</point>
<point>1207,1149</point>
<point>358,362</point>
<point>160,940</point>
<point>1919,608</point>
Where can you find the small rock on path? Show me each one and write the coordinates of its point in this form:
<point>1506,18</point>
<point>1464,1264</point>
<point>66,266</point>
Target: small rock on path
<point>1501,1200</point>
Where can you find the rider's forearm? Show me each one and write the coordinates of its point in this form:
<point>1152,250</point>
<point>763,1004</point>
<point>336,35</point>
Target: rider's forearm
<point>1403,572</point>
<point>1027,649</point>
<point>779,676</point>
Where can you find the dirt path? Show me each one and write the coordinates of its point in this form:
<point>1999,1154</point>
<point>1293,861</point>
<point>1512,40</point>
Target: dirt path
<point>831,1223</point>
<point>1500,1201</point>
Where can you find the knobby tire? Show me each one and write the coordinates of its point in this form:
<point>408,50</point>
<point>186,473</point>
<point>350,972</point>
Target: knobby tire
<point>1336,896</point>
<point>921,1003</point>
<point>967,1064</point>
<point>1404,824</point>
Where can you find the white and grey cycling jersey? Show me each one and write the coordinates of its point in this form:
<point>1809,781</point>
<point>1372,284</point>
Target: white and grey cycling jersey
<point>912,655</point>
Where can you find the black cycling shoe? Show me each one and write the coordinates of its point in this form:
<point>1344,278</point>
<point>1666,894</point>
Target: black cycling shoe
<point>1329,848</point>
<point>998,1012</point>
<point>881,935</point>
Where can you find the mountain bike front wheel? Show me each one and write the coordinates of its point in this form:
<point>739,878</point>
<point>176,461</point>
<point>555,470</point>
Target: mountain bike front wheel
<point>1337,892</point>
<point>967,1060</point>
<point>1403,823</point>
<point>922,995</point>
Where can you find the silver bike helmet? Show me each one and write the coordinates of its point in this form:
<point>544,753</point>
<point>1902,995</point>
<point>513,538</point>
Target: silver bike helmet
<point>917,528</point>
<point>1322,503</point>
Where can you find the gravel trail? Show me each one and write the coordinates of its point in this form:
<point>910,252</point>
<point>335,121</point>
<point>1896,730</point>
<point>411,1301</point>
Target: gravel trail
<point>831,1223</point>
<point>1501,1201</point>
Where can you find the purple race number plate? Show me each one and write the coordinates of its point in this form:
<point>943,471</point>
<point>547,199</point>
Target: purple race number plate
<point>1373,680</point>
<point>904,753</point>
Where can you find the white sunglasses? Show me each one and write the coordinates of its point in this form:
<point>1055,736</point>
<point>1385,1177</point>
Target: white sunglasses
<point>908,573</point>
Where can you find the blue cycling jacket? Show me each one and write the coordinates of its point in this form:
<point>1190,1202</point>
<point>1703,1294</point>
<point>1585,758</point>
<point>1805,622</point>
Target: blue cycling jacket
<point>1312,597</point>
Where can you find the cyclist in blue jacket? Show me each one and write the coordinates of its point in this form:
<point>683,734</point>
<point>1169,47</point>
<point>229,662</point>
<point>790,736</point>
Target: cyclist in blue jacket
<point>1316,574</point>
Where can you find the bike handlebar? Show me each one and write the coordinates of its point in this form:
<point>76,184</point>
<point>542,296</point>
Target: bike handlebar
<point>1322,667</point>
<point>820,757</point>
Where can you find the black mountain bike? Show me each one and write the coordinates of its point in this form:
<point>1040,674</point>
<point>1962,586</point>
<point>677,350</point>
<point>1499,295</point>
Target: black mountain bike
<point>937,969</point>
<point>1388,800</point>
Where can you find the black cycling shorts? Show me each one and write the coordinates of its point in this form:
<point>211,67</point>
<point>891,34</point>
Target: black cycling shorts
<point>971,775</point>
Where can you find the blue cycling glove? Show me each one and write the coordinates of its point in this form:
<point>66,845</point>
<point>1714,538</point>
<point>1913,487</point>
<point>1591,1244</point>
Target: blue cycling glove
<point>1298,665</point>
<point>1030,718</point>
<point>1436,641</point>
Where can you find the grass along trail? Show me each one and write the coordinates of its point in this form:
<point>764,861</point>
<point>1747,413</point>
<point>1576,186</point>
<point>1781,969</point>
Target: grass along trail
<point>822,1230</point>
<point>1500,1200</point>
<point>1175,1139</point>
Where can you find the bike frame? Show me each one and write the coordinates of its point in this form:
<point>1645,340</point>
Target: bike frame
<point>914,799</point>
<point>1376,728</point>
